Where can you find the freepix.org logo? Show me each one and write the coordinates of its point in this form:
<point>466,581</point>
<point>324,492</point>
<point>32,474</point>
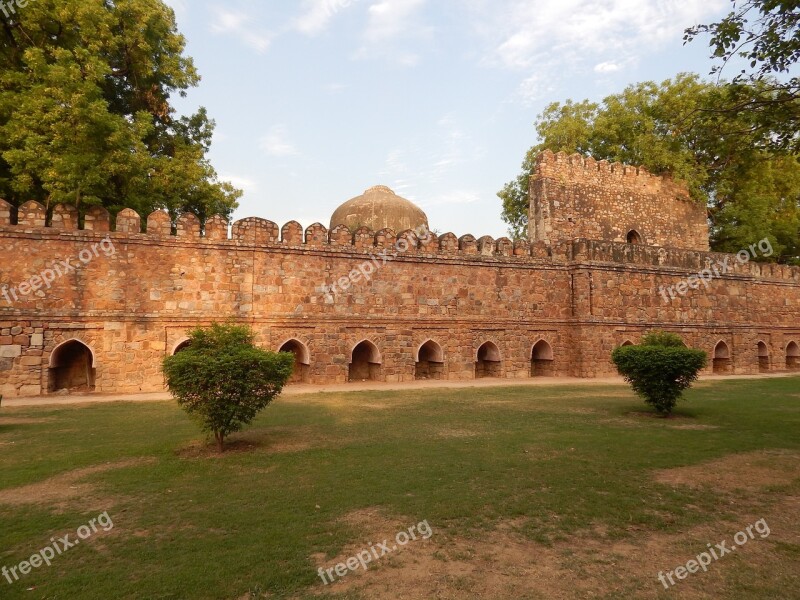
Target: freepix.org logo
<point>58,269</point>
<point>57,547</point>
<point>10,8</point>
<point>720,268</point>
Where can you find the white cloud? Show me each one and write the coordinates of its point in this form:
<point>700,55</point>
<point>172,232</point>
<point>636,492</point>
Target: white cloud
<point>607,67</point>
<point>318,14</point>
<point>179,6</point>
<point>545,40</point>
<point>243,183</point>
<point>456,147</point>
<point>392,27</point>
<point>529,33</point>
<point>429,161</point>
<point>240,25</point>
<point>275,143</point>
<point>335,88</point>
<point>389,19</point>
<point>534,88</point>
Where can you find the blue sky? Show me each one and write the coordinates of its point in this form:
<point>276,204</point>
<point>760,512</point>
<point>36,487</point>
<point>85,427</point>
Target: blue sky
<point>317,100</point>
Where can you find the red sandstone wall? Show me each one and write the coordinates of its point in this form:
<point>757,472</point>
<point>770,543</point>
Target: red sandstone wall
<point>133,307</point>
<point>575,197</point>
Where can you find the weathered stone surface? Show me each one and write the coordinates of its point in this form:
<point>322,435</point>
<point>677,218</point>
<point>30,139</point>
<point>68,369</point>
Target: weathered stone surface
<point>159,224</point>
<point>255,231</point>
<point>128,222</point>
<point>97,219</point>
<point>216,229</point>
<point>379,208</point>
<point>31,214</point>
<point>292,234</point>
<point>480,308</point>
<point>576,197</point>
<point>188,226</point>
<point>5,213</point>
<point>65,216</point>
<point>316,235</point>
<point>341,236</point>
<point>10,351</point>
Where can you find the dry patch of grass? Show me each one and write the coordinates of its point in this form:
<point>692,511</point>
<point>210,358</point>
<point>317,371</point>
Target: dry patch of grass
<point>503,564</point>
<point>748,471</point>
<point>23,421</point>
<point>272,440</point>
<point>67,488</point>
<point>449,433</point>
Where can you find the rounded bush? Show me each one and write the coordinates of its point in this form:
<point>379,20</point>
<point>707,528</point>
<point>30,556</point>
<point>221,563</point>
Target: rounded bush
<point>223,380</point>
<point>660,369</point>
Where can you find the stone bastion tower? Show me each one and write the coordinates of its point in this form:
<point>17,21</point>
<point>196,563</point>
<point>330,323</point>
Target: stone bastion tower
<point>94,303</point>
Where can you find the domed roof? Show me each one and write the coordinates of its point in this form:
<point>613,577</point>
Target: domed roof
<point>379,208</point>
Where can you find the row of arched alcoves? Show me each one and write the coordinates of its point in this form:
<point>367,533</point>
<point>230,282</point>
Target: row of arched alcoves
<point>72,363</point>
<point>366,361</point>
<point>722,358</point>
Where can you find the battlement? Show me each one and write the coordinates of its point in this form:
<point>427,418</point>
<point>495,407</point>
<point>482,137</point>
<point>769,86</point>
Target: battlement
<point>576,169</point>
<point>255,231</point>
<point>258,232</point>
<point>573,197</point>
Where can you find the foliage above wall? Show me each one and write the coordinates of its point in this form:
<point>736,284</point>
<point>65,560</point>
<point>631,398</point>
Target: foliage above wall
<point>751,188</point>
<point>85,112</point>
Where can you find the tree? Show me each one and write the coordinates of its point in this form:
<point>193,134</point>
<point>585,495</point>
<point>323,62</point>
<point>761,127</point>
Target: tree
<point>85,114</point>
<point>660,369</point>
<point>223,380</point>
<point>765,34</point>
<point>752,189</point>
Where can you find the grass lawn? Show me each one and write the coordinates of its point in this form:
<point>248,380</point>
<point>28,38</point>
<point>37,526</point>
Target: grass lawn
<point>530,493</point>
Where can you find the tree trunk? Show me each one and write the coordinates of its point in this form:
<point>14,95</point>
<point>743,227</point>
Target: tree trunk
<point>220,441</point>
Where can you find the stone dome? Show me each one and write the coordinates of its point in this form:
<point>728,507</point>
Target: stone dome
<point>379,208</point>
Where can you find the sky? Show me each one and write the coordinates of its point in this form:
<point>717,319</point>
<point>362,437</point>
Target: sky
<point>317,100</point>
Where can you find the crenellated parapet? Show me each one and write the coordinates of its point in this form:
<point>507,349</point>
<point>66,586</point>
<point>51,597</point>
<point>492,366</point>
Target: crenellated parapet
<point>258,232</point>
<point>575,197</point>
<point>255,231</point>
<point>65,216</point>
<point>577,169</point>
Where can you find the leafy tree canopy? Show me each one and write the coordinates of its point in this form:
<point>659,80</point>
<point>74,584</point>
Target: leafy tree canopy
<point>752,189</point>
<point>85,113</point>
<point>765,35</point>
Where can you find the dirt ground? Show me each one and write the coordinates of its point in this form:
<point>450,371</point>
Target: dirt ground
<point>503,564</point>
<point>306,389</point>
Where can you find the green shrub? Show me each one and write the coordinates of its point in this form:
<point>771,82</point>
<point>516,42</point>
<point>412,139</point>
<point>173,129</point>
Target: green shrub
<point>663,339</point>
<point>660,369</point>
<point>223,380</point>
